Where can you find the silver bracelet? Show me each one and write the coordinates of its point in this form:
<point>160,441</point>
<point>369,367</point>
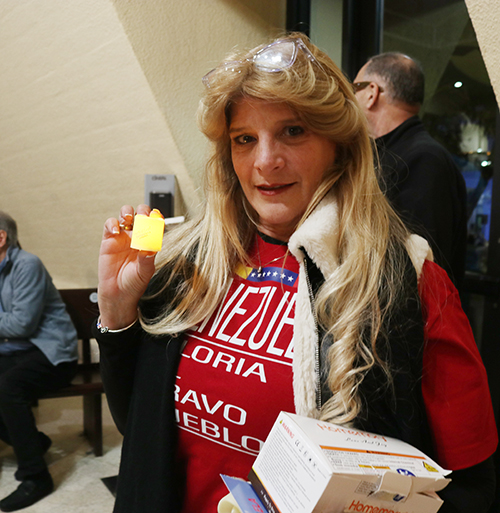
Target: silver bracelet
<point>105,329</point>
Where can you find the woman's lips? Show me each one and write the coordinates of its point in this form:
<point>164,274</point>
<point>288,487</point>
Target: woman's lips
<point>273,189</point>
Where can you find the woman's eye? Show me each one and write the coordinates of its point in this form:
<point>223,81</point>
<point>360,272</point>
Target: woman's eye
<point>243,139</point>
<point>294,130</point>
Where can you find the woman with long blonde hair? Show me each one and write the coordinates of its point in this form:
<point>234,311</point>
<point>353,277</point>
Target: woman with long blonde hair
<point>297,288</point>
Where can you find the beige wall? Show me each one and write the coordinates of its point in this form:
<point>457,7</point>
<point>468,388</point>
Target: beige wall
<point>176,48</point>
<point>485,16</point>
<point>94,94</point>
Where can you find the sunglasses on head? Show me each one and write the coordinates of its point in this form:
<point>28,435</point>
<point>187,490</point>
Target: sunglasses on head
<point>277,56</point>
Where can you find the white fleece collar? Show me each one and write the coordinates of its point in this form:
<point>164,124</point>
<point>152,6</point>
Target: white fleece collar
<point>318,237</point>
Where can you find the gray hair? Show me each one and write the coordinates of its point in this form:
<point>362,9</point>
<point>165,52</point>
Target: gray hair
<point>403,76</point>
<point>8,225</point>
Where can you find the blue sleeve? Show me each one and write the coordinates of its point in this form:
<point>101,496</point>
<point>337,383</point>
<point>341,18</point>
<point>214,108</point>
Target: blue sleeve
<point>28,284</point>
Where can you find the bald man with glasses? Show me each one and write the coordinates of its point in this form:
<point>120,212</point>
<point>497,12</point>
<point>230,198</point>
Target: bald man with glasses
<point>418,175</point>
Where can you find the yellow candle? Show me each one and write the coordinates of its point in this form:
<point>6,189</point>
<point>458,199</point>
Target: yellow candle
<point>148,232</point>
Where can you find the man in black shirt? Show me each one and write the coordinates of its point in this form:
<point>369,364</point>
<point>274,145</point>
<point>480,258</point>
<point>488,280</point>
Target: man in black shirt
<point>418,175</point>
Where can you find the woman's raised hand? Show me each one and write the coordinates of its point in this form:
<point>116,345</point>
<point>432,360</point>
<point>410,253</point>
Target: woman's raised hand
<point>124,273</point>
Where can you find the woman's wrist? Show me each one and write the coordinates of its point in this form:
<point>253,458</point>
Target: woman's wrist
<point>116,316</point>
<point>103,328</point>
<point>117,313</point>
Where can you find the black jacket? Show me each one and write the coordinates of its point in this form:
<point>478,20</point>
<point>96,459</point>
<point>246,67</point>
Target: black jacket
<point>139,374</point>
<point>426,188</point>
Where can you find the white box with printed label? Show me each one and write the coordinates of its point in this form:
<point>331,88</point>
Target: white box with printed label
<point>310,466</point>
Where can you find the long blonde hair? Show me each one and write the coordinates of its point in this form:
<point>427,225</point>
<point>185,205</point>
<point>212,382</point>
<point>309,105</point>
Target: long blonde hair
<point>199,258</point>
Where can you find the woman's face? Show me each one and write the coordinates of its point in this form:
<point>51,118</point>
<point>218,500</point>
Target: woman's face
<point>279,162</point>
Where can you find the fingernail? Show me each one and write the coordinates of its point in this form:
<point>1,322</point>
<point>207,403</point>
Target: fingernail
<point>116,230</point>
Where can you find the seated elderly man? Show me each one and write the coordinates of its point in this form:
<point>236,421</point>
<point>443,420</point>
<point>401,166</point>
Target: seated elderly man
<point>38,354</point>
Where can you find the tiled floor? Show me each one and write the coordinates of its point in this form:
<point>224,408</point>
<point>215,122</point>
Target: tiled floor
<point>77,473</point>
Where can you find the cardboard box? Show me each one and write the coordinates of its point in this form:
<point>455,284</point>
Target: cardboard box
<point>310,466</point>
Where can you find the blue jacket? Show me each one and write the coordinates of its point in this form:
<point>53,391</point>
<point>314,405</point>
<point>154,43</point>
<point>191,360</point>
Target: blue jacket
<point>33,309</point>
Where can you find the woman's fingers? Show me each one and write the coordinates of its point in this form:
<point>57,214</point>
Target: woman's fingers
<point>144,209</point>
<point>146,265</point>
<point>126,218</point>
<point>111,227</point>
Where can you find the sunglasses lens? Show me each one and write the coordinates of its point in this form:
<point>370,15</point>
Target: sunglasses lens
<point>276,57</point>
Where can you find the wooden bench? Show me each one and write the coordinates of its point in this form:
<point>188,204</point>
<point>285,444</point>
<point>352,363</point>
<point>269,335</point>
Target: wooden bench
<point>82,308</point>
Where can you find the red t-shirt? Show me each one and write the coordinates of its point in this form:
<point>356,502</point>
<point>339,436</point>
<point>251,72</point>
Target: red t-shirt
<point>235,376</point>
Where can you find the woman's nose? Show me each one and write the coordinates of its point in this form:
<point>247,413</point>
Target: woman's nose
<point>268,156</point>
